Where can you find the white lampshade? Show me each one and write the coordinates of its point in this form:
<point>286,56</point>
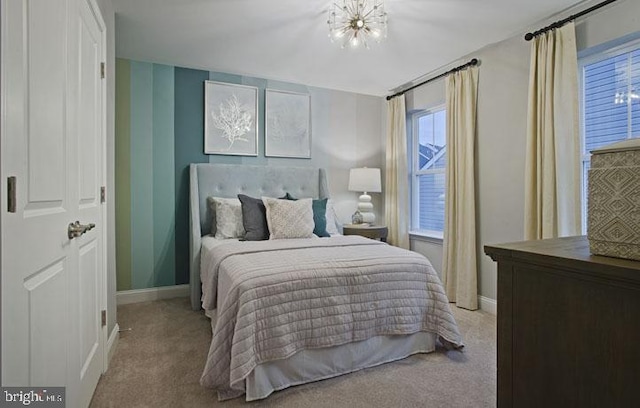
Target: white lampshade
<point>368,181</point>
<point>365,179</point>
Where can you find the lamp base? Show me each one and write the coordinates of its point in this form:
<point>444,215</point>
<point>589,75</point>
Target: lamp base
<point>368,218</point>
<point>366,209</point>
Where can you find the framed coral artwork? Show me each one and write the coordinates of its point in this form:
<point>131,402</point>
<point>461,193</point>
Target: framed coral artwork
<point>231,119</point>
<point>288,124</point>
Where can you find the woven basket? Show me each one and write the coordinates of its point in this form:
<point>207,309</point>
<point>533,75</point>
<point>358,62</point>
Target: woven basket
<point>613,222</point>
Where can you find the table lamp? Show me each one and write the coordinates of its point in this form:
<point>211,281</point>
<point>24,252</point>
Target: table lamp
<point>366,180</point>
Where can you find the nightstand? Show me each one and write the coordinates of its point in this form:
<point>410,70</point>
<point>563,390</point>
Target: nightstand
<point>369,231</point>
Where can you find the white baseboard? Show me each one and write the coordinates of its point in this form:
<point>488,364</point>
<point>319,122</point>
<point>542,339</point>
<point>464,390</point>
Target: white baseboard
<point>488,305</point>
<point>112,343</point>
<point>126,297</point>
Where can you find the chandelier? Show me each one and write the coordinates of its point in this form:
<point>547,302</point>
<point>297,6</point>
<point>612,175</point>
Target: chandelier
<point>625,97</point>
<point>355,22</point>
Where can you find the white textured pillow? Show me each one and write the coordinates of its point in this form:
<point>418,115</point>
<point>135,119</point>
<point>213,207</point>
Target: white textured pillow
<point>228,218</point>
<point>289,219</point>
<point>332,223</point>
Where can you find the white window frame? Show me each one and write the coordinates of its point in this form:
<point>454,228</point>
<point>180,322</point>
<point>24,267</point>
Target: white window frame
<point>626,47</point>
<point>416,173</point>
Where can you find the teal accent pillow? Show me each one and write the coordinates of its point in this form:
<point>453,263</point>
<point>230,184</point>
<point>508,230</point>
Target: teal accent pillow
<point>319,215</point>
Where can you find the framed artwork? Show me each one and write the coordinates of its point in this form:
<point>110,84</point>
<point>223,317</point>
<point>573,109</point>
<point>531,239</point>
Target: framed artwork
<point>230,119</point>
<point>288,124</point>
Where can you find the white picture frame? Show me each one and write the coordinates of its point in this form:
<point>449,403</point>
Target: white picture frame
<point>231,119</point>
<point>287,124</point>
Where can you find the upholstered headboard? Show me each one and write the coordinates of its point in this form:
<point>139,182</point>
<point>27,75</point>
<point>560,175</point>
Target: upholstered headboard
<point>229,180</point>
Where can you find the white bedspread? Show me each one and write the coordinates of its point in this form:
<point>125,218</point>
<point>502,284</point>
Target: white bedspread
<point>283,296</point>
<point>210,293</point>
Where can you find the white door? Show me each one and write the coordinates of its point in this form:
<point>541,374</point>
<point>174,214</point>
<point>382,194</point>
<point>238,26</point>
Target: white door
<point>53,147</point>
<point>91,171</point>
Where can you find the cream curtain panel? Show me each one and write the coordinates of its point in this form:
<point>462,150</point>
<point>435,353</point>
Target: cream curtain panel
<point>552,175</point>
<point>459,264</point>
<point>396,189</point>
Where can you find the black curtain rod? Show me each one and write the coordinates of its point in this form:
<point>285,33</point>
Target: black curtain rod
<point>456,69</point>
<point>558,24</point>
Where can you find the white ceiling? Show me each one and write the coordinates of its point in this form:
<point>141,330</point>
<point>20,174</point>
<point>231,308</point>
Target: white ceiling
<point>288,39</point>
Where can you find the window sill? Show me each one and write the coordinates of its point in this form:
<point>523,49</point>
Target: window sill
<point>426,237</point>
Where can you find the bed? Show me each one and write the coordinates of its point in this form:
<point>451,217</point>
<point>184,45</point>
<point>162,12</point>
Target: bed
<point>291,311</point>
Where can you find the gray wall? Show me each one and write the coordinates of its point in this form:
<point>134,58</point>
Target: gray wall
<point>502,116</point>
<point>346,134</point>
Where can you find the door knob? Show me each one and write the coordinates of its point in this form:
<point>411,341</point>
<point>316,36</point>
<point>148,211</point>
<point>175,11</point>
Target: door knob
<point>76,229</point>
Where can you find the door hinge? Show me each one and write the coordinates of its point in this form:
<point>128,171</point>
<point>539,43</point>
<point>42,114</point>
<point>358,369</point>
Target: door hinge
<point>103,194</point>
<point>102,70</point>
<point>11,194</point>
<point>104,318</point>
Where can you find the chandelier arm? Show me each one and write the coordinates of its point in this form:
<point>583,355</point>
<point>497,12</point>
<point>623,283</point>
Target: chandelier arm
<point>369,12</point>
<point>350,8</point>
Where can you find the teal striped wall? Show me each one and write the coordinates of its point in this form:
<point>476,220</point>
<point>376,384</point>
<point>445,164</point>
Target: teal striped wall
<point>159,132</point>
<point>188,148</point>
<point>163,176</point>
<point>147,142</point>
<point>123,174</point>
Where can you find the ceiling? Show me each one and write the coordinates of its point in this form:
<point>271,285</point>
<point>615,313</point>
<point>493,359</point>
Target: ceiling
<point>288,39</point>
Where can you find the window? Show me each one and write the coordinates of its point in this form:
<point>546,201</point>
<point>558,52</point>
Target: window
<point>429,154</point>
<point>610,108</point>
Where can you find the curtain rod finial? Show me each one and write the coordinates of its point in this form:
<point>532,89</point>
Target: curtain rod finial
<point>528,37</point>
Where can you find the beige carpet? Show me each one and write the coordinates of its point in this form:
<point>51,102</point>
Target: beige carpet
<point>158,364</point>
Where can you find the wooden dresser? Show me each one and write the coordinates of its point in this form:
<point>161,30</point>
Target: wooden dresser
<point>568,326</point>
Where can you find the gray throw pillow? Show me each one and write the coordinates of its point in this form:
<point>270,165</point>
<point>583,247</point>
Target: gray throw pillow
<point>254,218</point>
